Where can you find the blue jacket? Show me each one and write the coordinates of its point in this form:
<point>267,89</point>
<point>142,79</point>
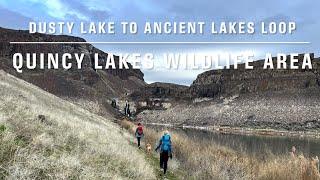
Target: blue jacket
<point>165,143</point>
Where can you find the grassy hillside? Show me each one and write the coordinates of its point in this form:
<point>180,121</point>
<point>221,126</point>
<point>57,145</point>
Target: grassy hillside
<point>43,136</point>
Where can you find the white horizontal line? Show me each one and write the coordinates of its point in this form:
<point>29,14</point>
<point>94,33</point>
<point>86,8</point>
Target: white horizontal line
<point>168,42</point>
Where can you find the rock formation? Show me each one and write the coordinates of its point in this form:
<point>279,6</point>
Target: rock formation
<point>228,82</point>
<point>86,83</point>
<point>258,98</point>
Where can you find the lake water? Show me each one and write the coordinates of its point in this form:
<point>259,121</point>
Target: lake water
<point>252,144</point>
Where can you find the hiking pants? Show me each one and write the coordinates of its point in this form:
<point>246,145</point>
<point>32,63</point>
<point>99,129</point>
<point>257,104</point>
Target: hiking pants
<point>138,139</point>
<point>164,157</point>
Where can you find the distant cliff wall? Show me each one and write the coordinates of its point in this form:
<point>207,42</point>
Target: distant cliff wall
<point>239,81</point>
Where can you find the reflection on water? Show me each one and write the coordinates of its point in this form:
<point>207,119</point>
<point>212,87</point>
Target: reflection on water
<point>252,144</point>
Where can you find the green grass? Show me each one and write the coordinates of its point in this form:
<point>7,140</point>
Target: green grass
<point>2,128</point>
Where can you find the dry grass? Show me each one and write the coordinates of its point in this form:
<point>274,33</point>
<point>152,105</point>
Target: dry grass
<point>68,142</point>
<point>65,142</point>
<point>200,160</point>
<point>151,137</point>
<point>92,106</point>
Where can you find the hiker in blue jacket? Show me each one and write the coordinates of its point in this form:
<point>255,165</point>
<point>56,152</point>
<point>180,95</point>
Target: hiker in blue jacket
<point>165,150</point>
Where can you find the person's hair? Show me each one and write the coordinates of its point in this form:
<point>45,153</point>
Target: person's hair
<point>139,124</point>
<point>165,132</point>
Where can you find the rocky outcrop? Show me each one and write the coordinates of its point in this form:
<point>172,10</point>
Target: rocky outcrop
<point>160,90</point>
<point>86,83</point>
<point>258,98</point>
<point>228,82</point>
<point>158,95</point>
<point>280,110</point>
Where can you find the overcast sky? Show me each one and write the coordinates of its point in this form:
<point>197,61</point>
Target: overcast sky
<point>18,13</point>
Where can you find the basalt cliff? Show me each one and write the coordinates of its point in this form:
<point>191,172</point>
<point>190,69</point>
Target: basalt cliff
<point>259,98</point>
<point>226,82</point>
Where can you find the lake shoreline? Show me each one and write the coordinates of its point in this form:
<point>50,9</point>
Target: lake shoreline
<point>244,130</point>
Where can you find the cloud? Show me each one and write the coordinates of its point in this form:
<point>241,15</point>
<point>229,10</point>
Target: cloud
<point>87,12</point>
<point>19,12</point>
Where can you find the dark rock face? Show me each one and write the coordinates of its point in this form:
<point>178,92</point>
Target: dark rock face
<point>158,96</point>
<point>160,90</point>
<point>239,81</point>
<point>86,83</point>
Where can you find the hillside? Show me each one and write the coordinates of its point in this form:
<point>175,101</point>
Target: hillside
<point>87,83</point>
<point>45,137</point>
<point>279,99</point>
